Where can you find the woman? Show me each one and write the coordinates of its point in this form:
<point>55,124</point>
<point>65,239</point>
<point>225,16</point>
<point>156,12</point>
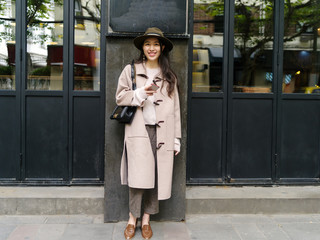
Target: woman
<point>154,135</point>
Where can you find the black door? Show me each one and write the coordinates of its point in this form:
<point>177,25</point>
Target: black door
<point>54,107</point>
<point>299,105</point>
<point>10,114</point>
<point>244,126</point>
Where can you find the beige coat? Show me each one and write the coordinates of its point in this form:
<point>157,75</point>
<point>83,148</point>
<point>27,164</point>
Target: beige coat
<point>137,163</point>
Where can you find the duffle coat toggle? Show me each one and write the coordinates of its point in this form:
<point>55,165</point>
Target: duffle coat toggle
<point>160,145</point>
<point>158,123</point>
<point>137,162</point>
<point>157,102</point>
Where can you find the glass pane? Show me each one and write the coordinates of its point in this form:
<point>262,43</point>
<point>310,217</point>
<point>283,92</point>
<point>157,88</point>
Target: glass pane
<point>7,45</point>
<point>253,46</point>
<point>45,45</point>
<point>301,65</point>
<point>207,46</point>
<point>87,45</point>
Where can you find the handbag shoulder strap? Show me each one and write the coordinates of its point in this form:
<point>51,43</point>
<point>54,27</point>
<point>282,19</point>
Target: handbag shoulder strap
<point>133,77</point>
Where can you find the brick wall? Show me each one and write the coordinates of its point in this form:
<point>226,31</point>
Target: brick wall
<point>204,28</point>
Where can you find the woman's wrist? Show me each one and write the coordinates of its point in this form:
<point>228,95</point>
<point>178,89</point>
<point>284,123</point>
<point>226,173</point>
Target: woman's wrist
<point>177,144</point>
<point>141,93</point>
<point>139,97</point>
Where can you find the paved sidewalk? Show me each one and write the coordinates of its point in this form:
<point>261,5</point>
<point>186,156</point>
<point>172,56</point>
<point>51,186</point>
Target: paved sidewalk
<point>203,227</point>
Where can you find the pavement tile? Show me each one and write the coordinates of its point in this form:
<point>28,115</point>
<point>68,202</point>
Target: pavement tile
<point>161,231</point>
<point>301,231</point>
<point>174,230</point>
<point>205,218</point>
<point>157,229</point>
<point>50,232</point>
<point>22,219</point>
<point>273,231</point>
<point>212,231</point>
<point>70,219</point>
<point>249,231</point>
<point>196,227</point>
<point>24,232</point>
<point>247,218</point>
<point>316,218</point>
<point>88,231</point>
<point>118,231</point>
<point>293,218</point>
<point>228,218</point>
<point>5,231</point>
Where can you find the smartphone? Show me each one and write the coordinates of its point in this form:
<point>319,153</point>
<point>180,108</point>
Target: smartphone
<point>154,87</point>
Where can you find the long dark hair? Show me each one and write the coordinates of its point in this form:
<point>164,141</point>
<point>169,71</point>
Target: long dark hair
<point>164,63</point>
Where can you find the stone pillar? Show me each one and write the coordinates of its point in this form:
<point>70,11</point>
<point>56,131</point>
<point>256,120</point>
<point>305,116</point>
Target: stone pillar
<point>119,52</point>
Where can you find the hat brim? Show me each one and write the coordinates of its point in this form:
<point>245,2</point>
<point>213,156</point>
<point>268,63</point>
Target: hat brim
<point>138,41</point>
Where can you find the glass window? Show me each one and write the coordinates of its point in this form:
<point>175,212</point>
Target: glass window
<point>87,45</point>
<point>7,44</point>
<point>45,45</point>
<point>301,65</point>
<point>253,46</point>
<point>79,23</point>
<point>207,46</point>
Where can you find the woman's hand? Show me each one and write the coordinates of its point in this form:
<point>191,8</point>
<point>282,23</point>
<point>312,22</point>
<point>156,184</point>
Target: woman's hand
<point>176,153</point>
<point>149,91</point>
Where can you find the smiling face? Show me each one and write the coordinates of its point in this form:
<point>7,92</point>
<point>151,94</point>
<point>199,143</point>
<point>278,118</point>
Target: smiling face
<point>151,49</point>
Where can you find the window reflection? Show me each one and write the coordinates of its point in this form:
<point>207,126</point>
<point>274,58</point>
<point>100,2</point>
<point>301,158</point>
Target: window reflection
<point>301,64</point>
<point>87,45</point>
<point>45,44</point>
<point>207,46</point>
<point>253,46</point>
<point>7,45</point>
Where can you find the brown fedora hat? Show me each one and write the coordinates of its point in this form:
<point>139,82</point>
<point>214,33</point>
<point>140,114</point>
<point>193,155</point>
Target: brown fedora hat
<point>153,32</point>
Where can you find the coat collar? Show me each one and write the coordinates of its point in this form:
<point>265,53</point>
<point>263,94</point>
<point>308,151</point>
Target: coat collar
<point>141,71</point>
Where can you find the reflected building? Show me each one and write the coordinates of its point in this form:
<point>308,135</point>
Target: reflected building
<point>45,47</point>
<point>7,46</point>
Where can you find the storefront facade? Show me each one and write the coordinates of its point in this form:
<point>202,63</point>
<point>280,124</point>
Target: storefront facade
<point>254,115</point>
<point>51,92</point>
<point>249,84</point>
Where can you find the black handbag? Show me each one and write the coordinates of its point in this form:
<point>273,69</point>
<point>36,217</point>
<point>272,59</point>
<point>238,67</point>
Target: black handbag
<point>125,114</point>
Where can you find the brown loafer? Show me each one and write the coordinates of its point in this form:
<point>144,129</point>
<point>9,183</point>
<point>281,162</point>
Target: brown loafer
<point>146,231</point>
<point>130,231</point>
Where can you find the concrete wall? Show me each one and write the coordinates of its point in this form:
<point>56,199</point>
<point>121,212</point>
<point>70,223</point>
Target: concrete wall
<point>120,51</point>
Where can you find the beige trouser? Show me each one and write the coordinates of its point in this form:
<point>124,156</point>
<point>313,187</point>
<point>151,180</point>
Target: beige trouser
<point>149,196</point>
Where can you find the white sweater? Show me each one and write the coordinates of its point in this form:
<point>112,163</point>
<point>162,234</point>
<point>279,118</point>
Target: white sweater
<point>142,99</point>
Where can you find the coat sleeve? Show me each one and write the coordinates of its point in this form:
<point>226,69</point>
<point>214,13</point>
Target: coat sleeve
<point>177,114</point>
<point>125,94</point>
<point>139,97</point>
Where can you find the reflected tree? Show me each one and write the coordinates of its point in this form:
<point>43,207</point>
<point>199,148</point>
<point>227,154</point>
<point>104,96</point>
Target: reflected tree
<point>94,13</point>
<point>38,10</point>
<point>39,13</point>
